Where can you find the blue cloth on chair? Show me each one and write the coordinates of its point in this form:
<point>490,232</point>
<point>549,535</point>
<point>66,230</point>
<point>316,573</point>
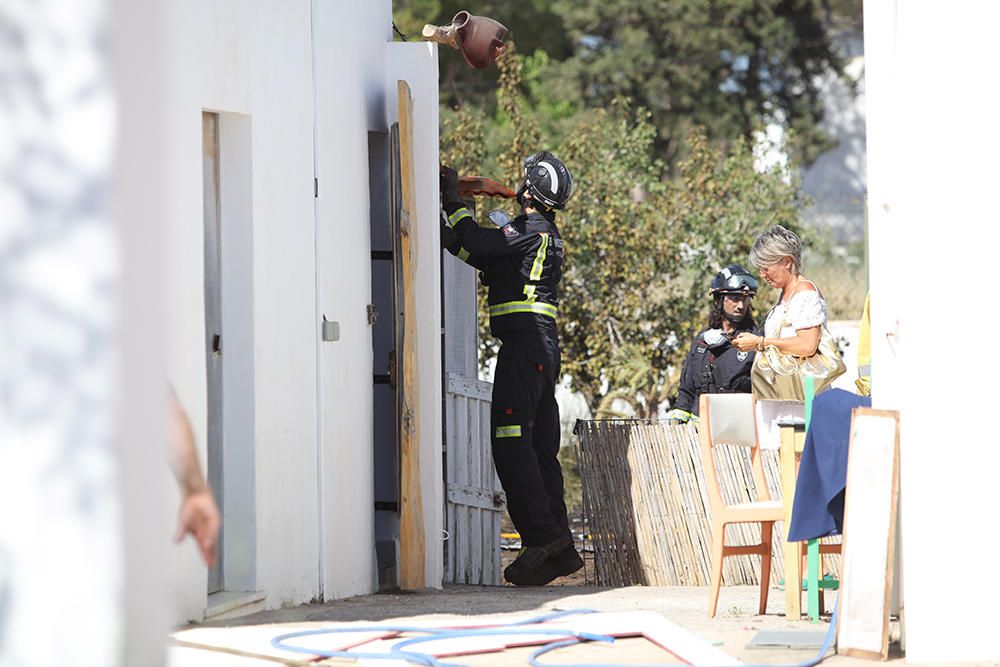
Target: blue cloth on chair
<point>818,509</point>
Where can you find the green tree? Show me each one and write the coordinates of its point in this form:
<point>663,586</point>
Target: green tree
<point>639,259</point>
<point>730,66</point>
<point>531,23</point>
<point>639,249</point>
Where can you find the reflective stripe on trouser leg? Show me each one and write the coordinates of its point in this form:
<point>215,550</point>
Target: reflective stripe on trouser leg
<point>512,431</point>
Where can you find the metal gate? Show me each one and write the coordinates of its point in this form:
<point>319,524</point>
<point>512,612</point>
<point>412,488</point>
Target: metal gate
<point>475,499</point>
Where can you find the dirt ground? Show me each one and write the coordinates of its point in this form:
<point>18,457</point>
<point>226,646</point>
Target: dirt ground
<point>735,625</point>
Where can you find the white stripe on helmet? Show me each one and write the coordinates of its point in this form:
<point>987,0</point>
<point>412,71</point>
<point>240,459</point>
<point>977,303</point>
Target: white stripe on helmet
<point>553,177</point>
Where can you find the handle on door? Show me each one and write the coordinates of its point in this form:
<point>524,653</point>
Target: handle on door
<point>216,344</point>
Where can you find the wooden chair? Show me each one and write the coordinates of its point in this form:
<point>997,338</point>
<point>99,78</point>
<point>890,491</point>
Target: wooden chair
<point>728,419</point>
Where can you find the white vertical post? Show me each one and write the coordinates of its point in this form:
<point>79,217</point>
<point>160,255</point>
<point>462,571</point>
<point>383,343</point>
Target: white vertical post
<point>61,553</point>
<point>148,588</point>
<point>932,146</point>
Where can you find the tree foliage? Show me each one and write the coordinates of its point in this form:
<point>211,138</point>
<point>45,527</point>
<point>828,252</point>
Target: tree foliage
<point>640,249</point>
<point>729,66</point>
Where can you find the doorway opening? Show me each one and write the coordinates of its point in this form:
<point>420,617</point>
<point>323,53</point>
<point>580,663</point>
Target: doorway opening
<point>228,264</point>
<point>383,189</point>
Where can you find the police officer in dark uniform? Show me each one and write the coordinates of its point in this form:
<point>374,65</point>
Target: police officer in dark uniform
<point>714,366</point>
<point>521,263</point>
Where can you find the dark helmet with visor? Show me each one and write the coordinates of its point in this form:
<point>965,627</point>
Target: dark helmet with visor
<point>547,180</point>
<point>734,279</point>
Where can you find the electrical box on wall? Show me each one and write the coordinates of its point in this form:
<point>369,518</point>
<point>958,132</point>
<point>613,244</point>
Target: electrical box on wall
<point>331,331</point>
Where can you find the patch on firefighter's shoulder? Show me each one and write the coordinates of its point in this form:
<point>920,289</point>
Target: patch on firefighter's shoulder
<point>742,356</point>
<point>702,350</point>
<point>510,232</point>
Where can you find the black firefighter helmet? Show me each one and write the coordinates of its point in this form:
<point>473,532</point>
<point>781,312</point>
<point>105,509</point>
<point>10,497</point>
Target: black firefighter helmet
<point>733,279</point>
<point>547,180</point>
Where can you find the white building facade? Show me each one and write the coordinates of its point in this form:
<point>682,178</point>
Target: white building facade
<point>933,233</point>
<point>270,109</point>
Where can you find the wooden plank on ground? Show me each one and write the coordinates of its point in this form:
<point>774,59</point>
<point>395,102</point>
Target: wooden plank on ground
<point>869,533</point>
<point>411,519</point>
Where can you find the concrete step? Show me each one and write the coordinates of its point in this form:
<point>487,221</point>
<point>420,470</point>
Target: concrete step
<point>232,604</point>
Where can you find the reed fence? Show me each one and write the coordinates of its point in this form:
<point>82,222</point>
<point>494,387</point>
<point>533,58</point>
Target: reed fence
<point>647,511</point>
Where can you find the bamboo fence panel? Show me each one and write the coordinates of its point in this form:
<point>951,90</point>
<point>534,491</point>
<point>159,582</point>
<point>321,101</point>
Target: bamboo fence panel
<point>646,505</point>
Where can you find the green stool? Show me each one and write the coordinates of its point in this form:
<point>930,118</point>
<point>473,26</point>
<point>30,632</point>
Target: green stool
<point>813,584</point>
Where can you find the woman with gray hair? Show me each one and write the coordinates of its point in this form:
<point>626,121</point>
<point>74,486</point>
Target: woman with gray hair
<point>796,342</point>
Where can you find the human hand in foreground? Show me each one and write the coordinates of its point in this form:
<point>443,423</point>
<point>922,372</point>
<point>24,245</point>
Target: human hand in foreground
<point>199,517</point>
<point>198,514</point>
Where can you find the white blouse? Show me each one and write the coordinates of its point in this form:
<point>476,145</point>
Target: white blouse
<point>804,310</point>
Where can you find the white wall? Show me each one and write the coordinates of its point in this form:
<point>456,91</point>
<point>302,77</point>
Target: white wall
<point>932,146</point>
<point>304,81</point>
<point>61,547</point>
<point>149,510</point>
<point>349,103</point>
<point>356,76</point>
<point>252,59</point>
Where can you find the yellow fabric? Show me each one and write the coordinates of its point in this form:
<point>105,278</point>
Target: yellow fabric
<point>536,267</point>
<point>523,307</point>
<point>864,381</point>
<point>509,431</point>
<point>458,215</point>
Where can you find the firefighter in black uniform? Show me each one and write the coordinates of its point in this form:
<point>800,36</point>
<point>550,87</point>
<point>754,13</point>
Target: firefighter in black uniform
<point>521,263</point>
<point>714,366</point>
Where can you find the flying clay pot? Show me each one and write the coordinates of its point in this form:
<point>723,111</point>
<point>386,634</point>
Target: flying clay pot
<point>479,38</point>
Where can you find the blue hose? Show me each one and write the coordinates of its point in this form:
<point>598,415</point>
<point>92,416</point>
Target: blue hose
<point>434,634</point>
<point>554,646</point>
<point>418,658</point>
<point>502,631</point>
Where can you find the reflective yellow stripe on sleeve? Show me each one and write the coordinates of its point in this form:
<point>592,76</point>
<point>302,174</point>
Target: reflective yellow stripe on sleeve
<point>536,267</point>
<point>524,307</point>
<point>458,215</point>
<point>463,254</point>
<point>509,431</point>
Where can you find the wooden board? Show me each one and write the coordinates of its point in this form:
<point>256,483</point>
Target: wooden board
<point>255,641</point>
<point>869,534</point>
<point>792,441</point>
<point>411,519</point>
<point>475,500</point>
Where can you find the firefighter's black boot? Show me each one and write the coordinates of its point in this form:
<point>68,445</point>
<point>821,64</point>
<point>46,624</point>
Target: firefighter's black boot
<point>533,564</point>
<point>564,563</point>
<point>537,566</point>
